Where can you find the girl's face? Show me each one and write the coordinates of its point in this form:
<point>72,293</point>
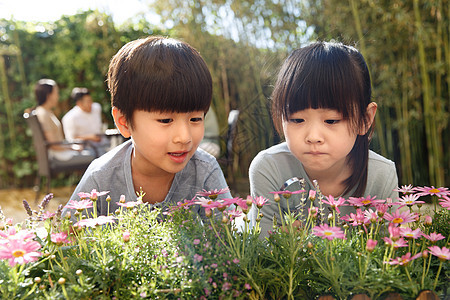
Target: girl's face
<point>164,142</point>
<point>53,97</point>
<point>320,139</point>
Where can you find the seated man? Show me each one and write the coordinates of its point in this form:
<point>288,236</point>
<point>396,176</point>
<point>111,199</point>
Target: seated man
<point>84,121</point>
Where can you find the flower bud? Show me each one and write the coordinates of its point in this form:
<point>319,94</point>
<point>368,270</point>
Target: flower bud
<point>224,219</point>
<point>428,221</point>
<point>122,199</point>
<point>79,272</point>
<point>276,198</point>
<point>249,201</point>
<point>68,215</point>
<point>62,281</point>
<point>126,236</point>
<point>108,198</point>
<point>310,245</point>
<point>370,246</point>
<point>425,254</point>
<point>37,279</point>
<point>208,212</point>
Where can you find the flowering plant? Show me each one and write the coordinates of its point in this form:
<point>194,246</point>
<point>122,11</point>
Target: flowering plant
<point>141,252</point>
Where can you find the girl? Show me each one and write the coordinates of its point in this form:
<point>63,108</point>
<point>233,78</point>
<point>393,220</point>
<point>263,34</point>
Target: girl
<point>322,105</point>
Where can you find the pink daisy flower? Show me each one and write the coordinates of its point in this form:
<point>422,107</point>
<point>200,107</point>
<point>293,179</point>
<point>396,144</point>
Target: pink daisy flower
<point>408,233</point>
<point>60,238</point>
<point>47,215</point>
<point>327,232</point>
<point>400,217</point>
<point>355,219</point>
<point>213,193</point>
<point>409,200</point>
<point>404,259</point>
<point>370,216</point>
<point>233,214</point>
<point>12,234</point>
<point>433,237</point>
<point>80,205</point>
<point>93,195</point>
<point>260,201</point>
<point>207,202</point>
<point>394,231</point>
<point>445,202</point>
<point>405,189</point>
<point>371,244</point>
<point>442,253</point>
<point>20,251</point>
<point>381,209</point>
<point>335,204</point>
<point>396,244</point>
<point>367,201</point>
<point>423,191</point>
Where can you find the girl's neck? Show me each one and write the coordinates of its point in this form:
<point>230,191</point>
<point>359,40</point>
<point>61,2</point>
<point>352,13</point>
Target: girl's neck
<point>331,182</point>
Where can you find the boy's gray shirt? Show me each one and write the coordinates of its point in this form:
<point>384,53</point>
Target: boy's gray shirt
<point>271,168</point>
<point>112,172</point>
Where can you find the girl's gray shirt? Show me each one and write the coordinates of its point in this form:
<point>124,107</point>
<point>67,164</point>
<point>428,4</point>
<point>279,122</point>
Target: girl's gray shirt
<point>271,168</point>
<point>112,172</point>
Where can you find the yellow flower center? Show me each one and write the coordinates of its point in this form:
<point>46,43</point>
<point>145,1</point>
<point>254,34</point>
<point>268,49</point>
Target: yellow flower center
<point>434,191</point>
<point>18,253</point>
<point>397,220</point>
<point>365,202</point>
<point>328,233</point>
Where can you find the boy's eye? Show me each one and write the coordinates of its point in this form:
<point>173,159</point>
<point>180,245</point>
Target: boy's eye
<point>296,121</point>
<point>331,122</point>
<point>196,119</point>
<point>165,121</point>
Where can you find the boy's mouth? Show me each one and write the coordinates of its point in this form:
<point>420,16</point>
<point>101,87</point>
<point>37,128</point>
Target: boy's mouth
<point>178,157</point>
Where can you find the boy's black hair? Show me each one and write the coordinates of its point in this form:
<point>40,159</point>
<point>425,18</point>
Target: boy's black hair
<point>332,76</point>
<point>78,93</point>
<point>42,89</point>
<point>159,74</point>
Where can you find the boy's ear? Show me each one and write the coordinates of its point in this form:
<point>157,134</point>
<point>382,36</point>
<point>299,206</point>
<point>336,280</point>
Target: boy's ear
<point>121,122</point>
<point>371,112</point>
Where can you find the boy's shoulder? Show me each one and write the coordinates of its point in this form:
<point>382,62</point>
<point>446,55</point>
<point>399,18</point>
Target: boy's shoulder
<point>112,159</point>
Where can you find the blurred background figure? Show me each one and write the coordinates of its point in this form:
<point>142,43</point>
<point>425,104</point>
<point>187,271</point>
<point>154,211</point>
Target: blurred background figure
<point>210,142</point>
<point>47,97</point>
<point>84,121</point>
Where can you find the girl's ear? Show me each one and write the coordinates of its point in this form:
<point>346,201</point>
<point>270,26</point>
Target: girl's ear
<point>121,122</point>
<point>370,112</point>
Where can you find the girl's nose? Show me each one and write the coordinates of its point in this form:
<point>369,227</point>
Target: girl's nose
<point>314,136</point>
<point>182,134</point>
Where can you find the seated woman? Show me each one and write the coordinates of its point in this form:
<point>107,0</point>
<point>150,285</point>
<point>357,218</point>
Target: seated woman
<point>47,96</point>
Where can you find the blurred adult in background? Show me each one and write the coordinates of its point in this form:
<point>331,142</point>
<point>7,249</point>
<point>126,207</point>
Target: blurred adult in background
<point>84,121</point>
<point>210,142</point>
<point>47,97</point>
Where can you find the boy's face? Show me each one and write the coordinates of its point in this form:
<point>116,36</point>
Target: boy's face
<point>165,142</point>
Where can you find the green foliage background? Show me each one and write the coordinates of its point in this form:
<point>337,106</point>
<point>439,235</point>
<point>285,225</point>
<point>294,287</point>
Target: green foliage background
<point>406,45</point>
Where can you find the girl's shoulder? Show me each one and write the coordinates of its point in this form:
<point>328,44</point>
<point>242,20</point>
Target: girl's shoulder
<point>379,161</point>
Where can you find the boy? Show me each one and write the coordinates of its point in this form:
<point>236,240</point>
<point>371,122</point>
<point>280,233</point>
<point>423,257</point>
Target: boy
<point>160,91</point>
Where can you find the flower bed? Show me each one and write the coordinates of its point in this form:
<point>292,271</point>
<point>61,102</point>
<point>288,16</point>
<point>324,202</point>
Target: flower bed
<point>133,253</point>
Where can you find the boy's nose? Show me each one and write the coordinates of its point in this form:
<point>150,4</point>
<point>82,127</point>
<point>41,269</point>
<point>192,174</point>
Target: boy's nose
<point>182,134</point>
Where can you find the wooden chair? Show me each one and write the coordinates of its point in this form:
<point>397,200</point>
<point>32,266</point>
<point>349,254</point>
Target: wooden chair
<point>46,167</point>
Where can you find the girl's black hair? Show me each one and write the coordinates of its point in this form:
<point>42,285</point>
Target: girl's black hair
<point>332,76</point>
<point>159,74</point>
<point>42,89</point>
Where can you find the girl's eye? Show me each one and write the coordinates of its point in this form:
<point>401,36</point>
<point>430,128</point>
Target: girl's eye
<point>296,121</point>
<point>331,122</point>
<point>165,121</point>
<point>196,119</point>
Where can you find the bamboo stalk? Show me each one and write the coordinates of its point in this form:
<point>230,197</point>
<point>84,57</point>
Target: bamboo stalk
<point>8,104</point>
<point>434,160</point>
<point>379,128</point>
